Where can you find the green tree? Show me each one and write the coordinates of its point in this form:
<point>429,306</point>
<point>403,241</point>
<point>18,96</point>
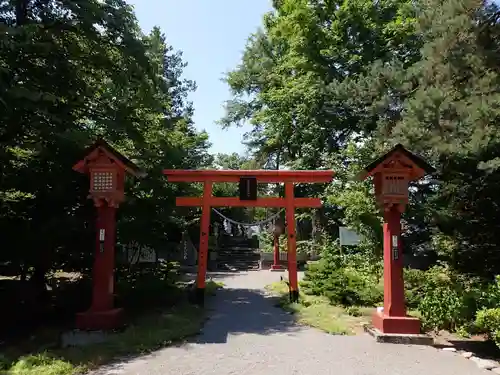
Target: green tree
<point>452,115</point>
<point>71,72</point>
<point>297,86</point>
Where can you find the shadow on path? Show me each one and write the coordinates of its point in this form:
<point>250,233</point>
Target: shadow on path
<point>238,311</point>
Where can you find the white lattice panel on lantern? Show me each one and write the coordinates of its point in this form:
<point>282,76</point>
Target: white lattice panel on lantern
<point>103,181</point>
<point>395,185</point>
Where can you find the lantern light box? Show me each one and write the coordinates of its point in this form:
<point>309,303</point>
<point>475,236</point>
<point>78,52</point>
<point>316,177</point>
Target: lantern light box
<point>102,180</point>
<point>392,174</point>
<point>106,168</point>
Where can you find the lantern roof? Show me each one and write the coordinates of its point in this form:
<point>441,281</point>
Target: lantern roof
<point>121,160</point>
<point>413,161</point>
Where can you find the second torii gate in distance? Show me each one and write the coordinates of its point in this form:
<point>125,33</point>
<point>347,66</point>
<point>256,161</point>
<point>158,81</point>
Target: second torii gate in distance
<point>248,180</point>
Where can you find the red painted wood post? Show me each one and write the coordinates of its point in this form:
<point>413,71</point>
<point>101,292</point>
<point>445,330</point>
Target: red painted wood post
<point>104,261</point>
<point>394,297</point>
<point>203,248</point>
<point>292,244</point>
<point>276,254</point>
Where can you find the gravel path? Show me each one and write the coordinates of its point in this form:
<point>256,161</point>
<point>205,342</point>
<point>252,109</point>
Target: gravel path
<point>247,335</point>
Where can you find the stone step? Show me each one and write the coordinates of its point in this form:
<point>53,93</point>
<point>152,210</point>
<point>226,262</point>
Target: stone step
<point>238,265</point>
<point>238,244</point>
<point>243,248</point>
<point>238,251</point>
<point>238,256</point>
<point>236,240</point>
<point>230,254</point>
<point>234,261</point>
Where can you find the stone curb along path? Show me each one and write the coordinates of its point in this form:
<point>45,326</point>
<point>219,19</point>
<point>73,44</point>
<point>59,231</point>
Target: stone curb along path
<point>485,364</point>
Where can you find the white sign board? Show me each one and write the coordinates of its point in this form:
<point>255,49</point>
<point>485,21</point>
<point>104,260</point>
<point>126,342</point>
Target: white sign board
<point>348,237</point>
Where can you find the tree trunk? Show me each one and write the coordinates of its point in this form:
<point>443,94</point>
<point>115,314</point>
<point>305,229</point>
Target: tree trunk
<point>21,12</point>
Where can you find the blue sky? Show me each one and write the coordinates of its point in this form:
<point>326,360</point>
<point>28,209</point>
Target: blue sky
<point>212,35</point>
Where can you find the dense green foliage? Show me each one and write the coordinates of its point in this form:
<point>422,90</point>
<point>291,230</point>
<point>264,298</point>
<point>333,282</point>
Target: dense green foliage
<point>333,84</point>
<point>72,72</point>
<point>345,280</point>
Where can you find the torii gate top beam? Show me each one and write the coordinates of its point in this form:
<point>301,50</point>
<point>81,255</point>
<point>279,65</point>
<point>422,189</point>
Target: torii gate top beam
<point>262,176</point>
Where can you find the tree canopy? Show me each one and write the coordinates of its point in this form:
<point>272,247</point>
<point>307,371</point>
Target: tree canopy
<point>332,84</point>
<point>72,72</point>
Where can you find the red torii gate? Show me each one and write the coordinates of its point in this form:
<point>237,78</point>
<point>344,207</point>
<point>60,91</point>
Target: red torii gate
<point>248,180</point>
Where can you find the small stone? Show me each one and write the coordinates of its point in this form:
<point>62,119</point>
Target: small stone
<point>495,370</point>
<point>485,363</point>
<point>449,349</point>
<point>467,354</point>
<point>474,359</point>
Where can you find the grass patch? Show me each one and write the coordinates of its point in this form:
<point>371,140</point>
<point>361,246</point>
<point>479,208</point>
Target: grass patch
<point>147,333</point>
<point>317,312</point>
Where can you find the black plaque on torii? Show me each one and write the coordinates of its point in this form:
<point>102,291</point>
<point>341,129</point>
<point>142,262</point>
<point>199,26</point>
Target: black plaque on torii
<point>248,188</point>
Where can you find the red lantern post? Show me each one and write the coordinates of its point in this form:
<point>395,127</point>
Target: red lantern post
<point>391,174</point>
<point>279,229</point>
<point>106,168</point>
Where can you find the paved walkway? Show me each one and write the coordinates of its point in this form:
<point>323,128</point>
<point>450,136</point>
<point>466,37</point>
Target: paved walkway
<point>247,335</point>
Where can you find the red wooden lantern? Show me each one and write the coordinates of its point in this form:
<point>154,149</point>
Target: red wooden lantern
<point>392,174</point>
<point>106,168</point>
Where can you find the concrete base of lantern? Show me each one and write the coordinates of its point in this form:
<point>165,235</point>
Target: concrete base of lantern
<point>398,338</point>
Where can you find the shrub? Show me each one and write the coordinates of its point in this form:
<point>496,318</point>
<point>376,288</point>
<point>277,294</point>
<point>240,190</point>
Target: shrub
<point>446,299</point>
<point>266,241</point>
<point>488,315</point>
<point>442,308</point>
<point>354,311</point>
<point>488,320</point>
<point>4,362</point>
<point>345,280</point>
<point>148,288</point>
<point>415,281</point>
